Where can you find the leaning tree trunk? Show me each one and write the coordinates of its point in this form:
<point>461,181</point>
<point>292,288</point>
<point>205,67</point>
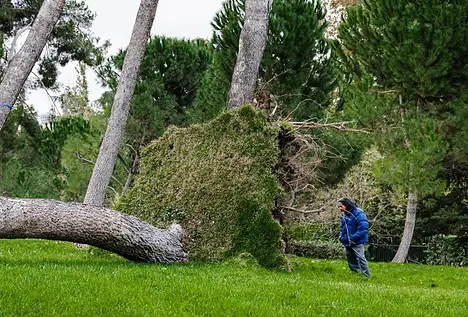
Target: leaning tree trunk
<point>125,235</point>
<point>22,64</point>
<point>107,157</point>
<point>410,222</point>
<point>251,46</point>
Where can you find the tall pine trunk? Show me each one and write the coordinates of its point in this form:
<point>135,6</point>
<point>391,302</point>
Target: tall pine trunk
<point>251,47</point>
<point>22,64</point>
<point>410,222</point>
<point>107,157</point>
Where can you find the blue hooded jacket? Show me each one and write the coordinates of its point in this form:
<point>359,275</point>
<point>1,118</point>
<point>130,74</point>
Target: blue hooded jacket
<point>354,227</point>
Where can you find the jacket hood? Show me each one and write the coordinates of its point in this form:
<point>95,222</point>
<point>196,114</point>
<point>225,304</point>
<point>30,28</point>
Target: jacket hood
<point>348,203</point>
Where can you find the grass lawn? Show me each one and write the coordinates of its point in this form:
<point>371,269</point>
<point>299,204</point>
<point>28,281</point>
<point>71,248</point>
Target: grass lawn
<point>48,278</point>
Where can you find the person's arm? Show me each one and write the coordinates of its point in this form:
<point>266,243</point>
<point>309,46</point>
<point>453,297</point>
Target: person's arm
<point>362,228</point>
<point>342,230</point>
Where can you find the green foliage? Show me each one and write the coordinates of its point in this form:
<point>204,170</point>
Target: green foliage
<point>318,241</point>
<point>414,155</point>
<point>18,180</point>
<point>48,72</point>
<point>409,138</point>
<point>342,151</point>
<point>55,134</point>
<point>21,131</point>
<point>296,66</point>
<point>170,75</point>
<point>384,207</point>
<point>54,161</point>
<point>24,171</point>
<point>447,214</point>
<point>447,250</point>
<point>36,279</point>
<point>417,47</point>
<point>71,40</point>
<point>455,128</point>
<point>312,232</point>
<point>215,180</point>
<point>408,63</point>
<point>77,156</point>
<point>370,110</point>
<point>295,75</point>
<point>211,97</point>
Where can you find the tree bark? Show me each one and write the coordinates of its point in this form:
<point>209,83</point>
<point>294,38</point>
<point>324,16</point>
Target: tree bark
<point>251,46</point>
<point>410,222</point>
<point>22,64</point>
<point>107,157</point>
<point>125,235</point>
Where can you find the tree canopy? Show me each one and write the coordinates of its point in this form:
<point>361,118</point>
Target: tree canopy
<point>72,38</point>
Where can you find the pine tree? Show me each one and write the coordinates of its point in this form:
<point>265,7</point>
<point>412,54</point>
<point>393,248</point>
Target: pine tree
<point>411,55</point>
<point>417,48</point>
<point>296,75</point>
<point>72,39</point>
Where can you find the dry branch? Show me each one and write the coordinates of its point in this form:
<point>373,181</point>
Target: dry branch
<point>340,126</point>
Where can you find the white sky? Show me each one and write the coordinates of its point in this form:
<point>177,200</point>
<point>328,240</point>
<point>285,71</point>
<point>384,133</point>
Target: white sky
<point>114,22</point>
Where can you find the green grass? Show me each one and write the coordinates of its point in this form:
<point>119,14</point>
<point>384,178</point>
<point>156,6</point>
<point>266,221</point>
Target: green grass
<point>47,278</point>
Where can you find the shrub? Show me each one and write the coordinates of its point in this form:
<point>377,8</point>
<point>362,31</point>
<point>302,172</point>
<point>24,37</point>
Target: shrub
<point>313,232</point>
<point>217,181</point>
<point>447,250</point>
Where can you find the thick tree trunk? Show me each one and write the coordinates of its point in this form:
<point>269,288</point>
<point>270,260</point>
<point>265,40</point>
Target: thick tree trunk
<point>251,46</point>
<point>107,157</point>
<point>410,222</point>
<point>125,235</point>
<point>22,64</point>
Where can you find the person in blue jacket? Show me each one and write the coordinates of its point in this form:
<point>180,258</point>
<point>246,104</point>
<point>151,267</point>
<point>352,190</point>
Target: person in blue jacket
<point>354,234</point>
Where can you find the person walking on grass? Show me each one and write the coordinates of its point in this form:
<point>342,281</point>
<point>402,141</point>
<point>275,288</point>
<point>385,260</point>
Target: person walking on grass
<point>354,234</point>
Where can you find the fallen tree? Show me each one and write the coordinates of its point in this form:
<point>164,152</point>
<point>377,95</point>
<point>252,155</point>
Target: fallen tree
<point>218,181</point>
<point>107,229</point>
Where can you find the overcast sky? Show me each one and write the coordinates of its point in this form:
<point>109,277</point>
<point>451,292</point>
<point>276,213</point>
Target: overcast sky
<point>114,22</point>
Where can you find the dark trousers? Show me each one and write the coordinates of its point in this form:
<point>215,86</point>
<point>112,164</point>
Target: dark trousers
<point>357,260</point>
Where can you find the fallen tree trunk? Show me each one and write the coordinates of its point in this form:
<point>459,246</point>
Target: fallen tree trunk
<point>107,229</point>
